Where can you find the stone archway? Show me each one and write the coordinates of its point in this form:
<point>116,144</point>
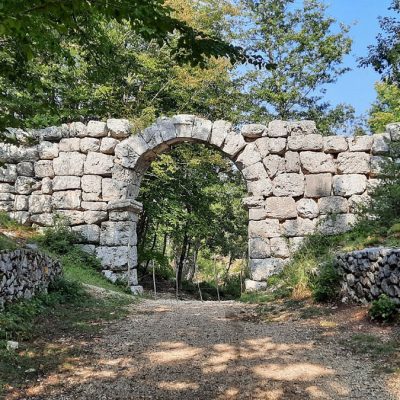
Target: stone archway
<point>91,174</point>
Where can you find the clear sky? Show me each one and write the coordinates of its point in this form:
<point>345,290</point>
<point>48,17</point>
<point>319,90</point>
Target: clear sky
<point>357,87</point>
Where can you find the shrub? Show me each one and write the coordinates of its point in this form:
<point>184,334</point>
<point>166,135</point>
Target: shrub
<point>327,282</point>
<point>383,309</point>
<point>232,287</point>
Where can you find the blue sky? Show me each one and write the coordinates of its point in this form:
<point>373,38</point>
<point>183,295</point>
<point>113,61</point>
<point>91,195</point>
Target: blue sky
<point>357,86</point>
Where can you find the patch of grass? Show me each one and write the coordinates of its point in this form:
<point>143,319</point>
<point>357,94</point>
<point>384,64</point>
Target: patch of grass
<point>363,343</point>
<point>257,297</point>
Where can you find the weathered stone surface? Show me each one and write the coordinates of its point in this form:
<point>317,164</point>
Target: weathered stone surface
<point>125,205</point>
<point>123,216</point>
<point>111,189</point>
<point>360,143</point>
<point>254,286</point>
<point>89,233</point>
<point>295,243</point>
<point>377,163</point>
<point>381,144</point>
<point>253,131</point>
<point>292,161</point>
<point>183,124</point>
<point>307,208</point>
<point>233,144</point>
<point>77,129</point>
<point>318,185</point>
<point>394,131</point>
<point>47,185</point>
<point>316,163</point>
<point>98,164</point>
<point>8,173</point>
<point>257,213</point>
<point>167,128</point>
<point>25,168</point>
<point>40,203</point>
<point>347,185</point>
<point>266,229</point>
<point>26,185</point>
<point>305,142</point>
<point>7,188</point>
<point>303,127</point>
<point>67,200</point>
<point>280,207</point>
<point>277,145</point>
<point>72,216</point>
<point>44,168</point>
<point>43,219</point>
<point>288,184</point>
<point>259,248</point>
<point>335,224</point>
<point>358,200</point>
<point>264,268</point>
<point>69,144</point>
<point>66,183</point>
<point>13,154</point>
<point>69,163</point>
<point>260,188</point>
<point>89,144</point>
<point>96,129</point>
<point>219,132</point>
<point>333,205</point>
<point>353,163</point>
<point>94,205</point>
<point>116,257</point>
<point>21,203</point>
<point>255,172</point>
<point>118,233</point>
<point>298,227</point>
<point>249,156</point>
<point>119,128</point>
<point>274,165</point>
<point>48,150</point>
<point>92,184</point>
<point>95,217</point>
<point>280,247</point>
<point>202,129</point>
<point>335,144</point>
<point>108,144</point>
<point>277,129</point>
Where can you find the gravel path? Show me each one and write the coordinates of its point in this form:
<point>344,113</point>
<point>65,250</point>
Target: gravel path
<point>191,350</point>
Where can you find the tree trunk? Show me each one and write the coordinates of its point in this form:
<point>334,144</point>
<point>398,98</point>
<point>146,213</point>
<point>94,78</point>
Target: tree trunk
<point>182,259</point>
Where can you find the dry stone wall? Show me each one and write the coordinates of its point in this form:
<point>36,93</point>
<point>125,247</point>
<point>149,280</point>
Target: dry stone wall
<point>91,174</point>
<point>24,273</point>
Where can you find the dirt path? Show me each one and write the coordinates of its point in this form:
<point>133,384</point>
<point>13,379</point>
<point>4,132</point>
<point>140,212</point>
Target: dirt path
<point>192,350</point>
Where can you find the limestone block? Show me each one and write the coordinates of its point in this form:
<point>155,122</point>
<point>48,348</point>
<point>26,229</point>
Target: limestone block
<point>295,243</point>
<point>112,189</point>
<point>98,164</point>
<point>25,168</point>
<point>303,127</point>
<point>298,227</point>
<point>22,217</point>
<point>77,129</point>
<point>360,143</point>
<point>307,208</point>
<point>91,184</point>
<point>335,224</point>
<point>202,129</point>
<point>277,128</point>
<point>73,217</point>
<point>265,229</point>
<point>264,268</point>
<point>48,150</point>
<point>119,128</point>
<point>305,142</point>
<point>233,144</point>
<point>6,205</point>
<point>116,257</point>
<point>260,188</point>
<point>259,248</point>
<point>121,233</point>
<point>39,203</point>
<point>47,185</point>
<point>67,200</point>
<point>44,168</point>
<point>167,128</point>
<point>377,163</point>
<point>219,131</point>
<point>253,131</point>
<point>14,154</point>
<point>358,200</point>
<point>353,163</point>
<point>292,161</point>
<point>134,145</point>
<point>381,144</point>
<point>26,185</point>
<point>274,165</point>
<point>257,213</point>
<point>70,144</point>
<point>21,203</point>
<point>7,197</point>
<point>317,163</point>
<point>253,201</point>
<point>288,184</point>
<point>249,156</point>
<point>66,183</point>
<point>123,216</point>
<point>394,131</point>
<point>89,144</point>
<point>8,173</point>
<point>69,163</point>
<point>183,125</point>
<point>89,233</point>
<point>125,205</point>
<point>347,185</point>
<point>95,217</point>
<point>318,185</point>
<point>108,144</point>
<point>372,184</point>
<point>262,146</point>
<point>94,205</point>
<point>126,155</point>
<point>96,129</point>
<point>255,172</point>
<point>7,188</point>
<point>254,286</point>
<point>335,144</point>
<point>43,219</point>
<point>277,145</point>
<point>280,247</point>
<point>87,248</point>
<point>333,205</point>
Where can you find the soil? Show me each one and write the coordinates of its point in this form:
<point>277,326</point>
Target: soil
<point>169,349</point>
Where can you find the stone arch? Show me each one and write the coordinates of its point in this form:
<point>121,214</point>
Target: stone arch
<point>91,174</point>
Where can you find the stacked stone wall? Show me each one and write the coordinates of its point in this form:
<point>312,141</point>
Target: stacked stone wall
<point>24,273</point>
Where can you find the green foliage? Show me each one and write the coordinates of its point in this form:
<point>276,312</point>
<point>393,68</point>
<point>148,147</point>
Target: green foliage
<point>383,309</point>
<point>232,286</point>
<point>326,285</point>
<point>364,343</point>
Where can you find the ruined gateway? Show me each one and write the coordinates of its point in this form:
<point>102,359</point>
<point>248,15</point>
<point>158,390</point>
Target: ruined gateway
<point>297,181</point>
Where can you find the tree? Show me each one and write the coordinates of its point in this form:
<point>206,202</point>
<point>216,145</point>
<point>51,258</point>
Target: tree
<point>308,55</point>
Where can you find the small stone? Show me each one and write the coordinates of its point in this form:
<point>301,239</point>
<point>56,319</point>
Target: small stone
<point>253,131</point>
<point>307,208</point>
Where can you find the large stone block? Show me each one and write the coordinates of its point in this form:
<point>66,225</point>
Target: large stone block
<point>77,129</point>
<point>89,233</point>
<point>298,227</point>
<point>95,217</point>
<point>91,184</point>
<point>307,208</point>
<point>53,133</point>
<point>262,146</point>
<point>360,143</point>
<point>347,185</point>
<point>264,268</point>
<point>73,217</point>
<point>66,183</point>
<point>255,172</point>
<point>292,161</point>
<point>25,168</point>
<point>335,224</point>
<point>89,144</point>
<point>69,144</point>
<point>118,233</point>
<point>358,200</point>
<point>264,229</point>
<point>333,205</point>
<point>335,144</point>
<point>277,128</point>
<point>277,145</point>
<point>394,131</point>
<point>98,164</point>
<point>47,185</point>
<point>305,142</point>
<point>253,131</point>
<point>119,128</point>
<point>280,207</point>
<point>288,184</point>
<point>274,165</point>
<point>260,188</point>
<point>44,168</point>
<point>303,127</point>
<point>67,200</point>
<point>108,144</point>
<point>318,185</point>
<point>112,189</point>
<point>377,164</point>
<point>69,163</point>
<point>280,247</point>
<point>353,163</point>
<point>202,129</point>
<point>259,248</point>
<point>26,185</point>
<point>94,205</point>
<point>183,125</point>
<point>48,150</point>
<point>257,213</point>
<point>166,128</point>
<point>219,132</point>
<point>381,144</point>
<point>254,286</point>
<point>43,219</point>
<point>96,129</point>
<point>8,173</point>
<point>233,144</point>
<point>117,257</point>
<point>249,156</point>
<point>316,163</point>
<point>21,203</point>
<point>40,203</point>
<point>123,216</point>
<point>7,188</point>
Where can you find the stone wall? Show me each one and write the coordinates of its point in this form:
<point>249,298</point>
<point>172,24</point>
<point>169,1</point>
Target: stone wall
<point>24,273</point>
<point>91,174</point>
<point>369,273</point>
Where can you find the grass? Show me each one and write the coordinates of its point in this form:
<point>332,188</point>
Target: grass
<point>363,343</point>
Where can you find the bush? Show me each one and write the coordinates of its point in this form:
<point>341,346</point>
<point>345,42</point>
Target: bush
<point>232,287</point>
<point>327,282</point>
<point>383,309</point>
